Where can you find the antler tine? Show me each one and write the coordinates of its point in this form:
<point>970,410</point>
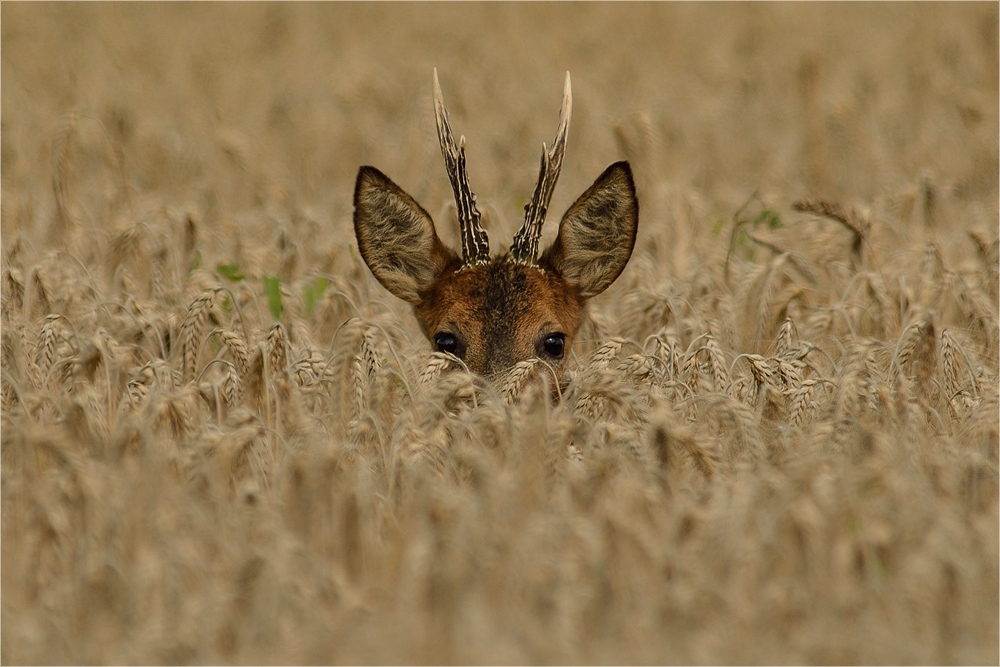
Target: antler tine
<point>475,241</point>
<point>525,247</point>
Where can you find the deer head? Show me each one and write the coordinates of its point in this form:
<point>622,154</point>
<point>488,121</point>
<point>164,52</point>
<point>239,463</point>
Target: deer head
<point>493,312</point>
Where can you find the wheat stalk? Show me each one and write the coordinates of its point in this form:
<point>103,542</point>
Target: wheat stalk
<point>48,339</point>
<point>989,257</point>
<point>636,366</point>
<point>277,350</point>
<point>40,296</point>
<point>786,337</point>
<point>358,394</point>
<point>371,361</point>
<point>761,375</point>
<point>790,372</point>
<point>738,423</point>
<point>801,402</point>
<point>819,322</point>
<point>8,395</point>
<point>232,386</point>
<point>14,301</point>
<point>692,368</point>
<point>238,349</point>
<point>435,365</point>
<point>61,161</point>
<point>859,226</point>
<point>716,364</point>
<point>670,441</point>
<point>255,379</point>
<point>512,383</point>
<point>310,369</point>
<point>917,348</point>
<point>949,364</point>
<point>191,332</point>
<point>603,355</point>
<point>669,355</point>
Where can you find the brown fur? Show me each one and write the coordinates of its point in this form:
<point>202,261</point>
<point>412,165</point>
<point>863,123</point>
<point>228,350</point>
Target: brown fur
<point>597,233</point>
<point>500,312</point>
<point>396,236</point>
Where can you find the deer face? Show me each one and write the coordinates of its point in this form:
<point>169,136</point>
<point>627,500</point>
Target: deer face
<point>499,313</point>
<point>493,312</point>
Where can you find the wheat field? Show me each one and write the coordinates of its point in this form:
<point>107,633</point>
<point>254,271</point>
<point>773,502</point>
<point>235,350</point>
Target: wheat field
<point>224,442</point>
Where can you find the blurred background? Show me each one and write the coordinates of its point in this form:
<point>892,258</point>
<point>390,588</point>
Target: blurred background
<point>224,107</point>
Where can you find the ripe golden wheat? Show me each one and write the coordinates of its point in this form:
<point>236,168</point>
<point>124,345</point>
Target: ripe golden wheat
<point>775,443</point>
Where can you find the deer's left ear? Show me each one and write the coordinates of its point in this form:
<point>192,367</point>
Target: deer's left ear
<point>396,237</point>
<point>597,234</point>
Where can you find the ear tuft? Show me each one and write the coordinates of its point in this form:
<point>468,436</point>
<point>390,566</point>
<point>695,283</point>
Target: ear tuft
<point>597,233</point>
<point>396,236</point>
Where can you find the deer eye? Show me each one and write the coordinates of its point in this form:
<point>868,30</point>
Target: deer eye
<point>446,342</point>
<point>554,345</point>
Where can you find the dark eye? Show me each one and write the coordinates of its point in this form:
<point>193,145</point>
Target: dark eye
<point>554,345</point>
<point>446,342</point>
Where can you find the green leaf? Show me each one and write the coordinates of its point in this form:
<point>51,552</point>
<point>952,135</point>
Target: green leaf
<point>742,239</point>
<point>230,272</point>
<point>312,292</point>
<point>769,218</point>
<point>272,289</point>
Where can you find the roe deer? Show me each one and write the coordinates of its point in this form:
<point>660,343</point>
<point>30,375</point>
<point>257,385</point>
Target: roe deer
<point>493,312</point>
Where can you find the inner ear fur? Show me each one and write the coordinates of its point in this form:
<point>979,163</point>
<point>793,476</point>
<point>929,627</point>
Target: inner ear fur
<point>597,233</point>
<point>396,236</point>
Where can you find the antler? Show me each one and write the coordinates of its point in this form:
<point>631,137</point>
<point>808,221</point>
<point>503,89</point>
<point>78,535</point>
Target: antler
<point>475,242</point>
<point>525,247</point>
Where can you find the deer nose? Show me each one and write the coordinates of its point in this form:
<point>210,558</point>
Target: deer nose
<point>497,366</point>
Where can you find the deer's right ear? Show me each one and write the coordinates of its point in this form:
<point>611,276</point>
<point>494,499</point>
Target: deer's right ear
<point>396,236</point>
<point>597,234</point>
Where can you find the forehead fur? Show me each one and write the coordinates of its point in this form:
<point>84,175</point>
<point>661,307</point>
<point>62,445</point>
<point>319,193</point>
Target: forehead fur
<point>499,309</point>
